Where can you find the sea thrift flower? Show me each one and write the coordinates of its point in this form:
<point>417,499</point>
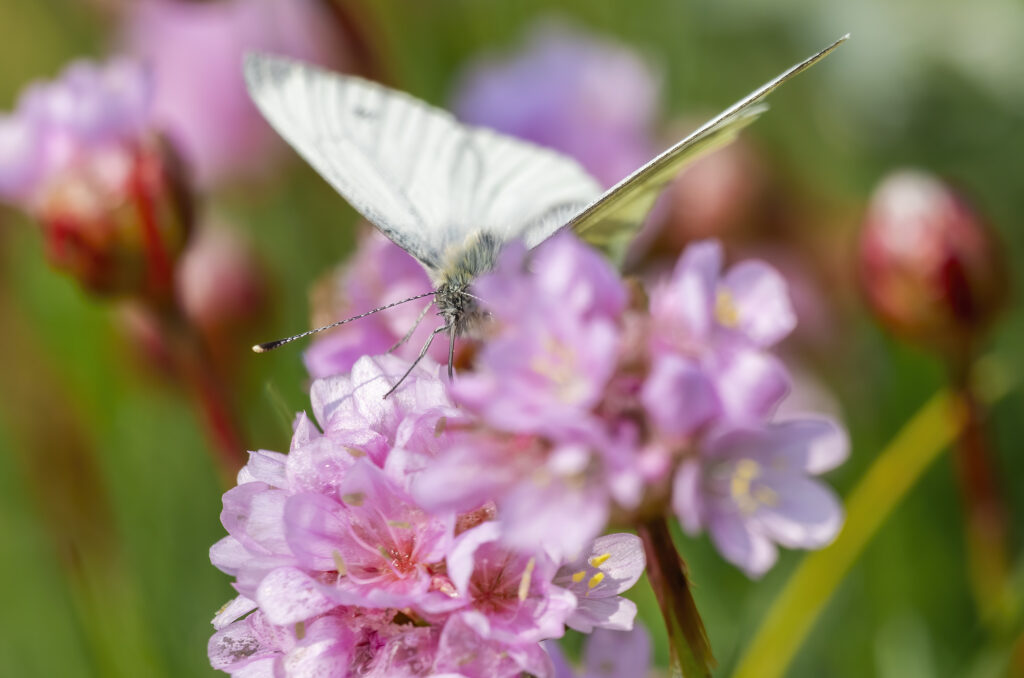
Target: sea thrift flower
<point>577,93</point>
<point>195,51</point>
<point>930,267</point>
<point>379,272</point>
<point>342,571</point>
<point>751,488</point>
<point>79,154</point>
<point>607,654</point>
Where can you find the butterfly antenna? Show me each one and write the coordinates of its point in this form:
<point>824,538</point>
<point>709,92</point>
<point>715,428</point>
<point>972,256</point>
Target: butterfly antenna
<point>423,352</point>
<point>271,345</point>
<point>412,330</point>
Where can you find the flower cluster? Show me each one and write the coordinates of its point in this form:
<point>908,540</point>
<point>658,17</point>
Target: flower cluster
<point>350,574</point>
<point>454,526</point>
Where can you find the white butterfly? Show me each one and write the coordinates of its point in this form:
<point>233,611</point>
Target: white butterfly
<point>452,195</point>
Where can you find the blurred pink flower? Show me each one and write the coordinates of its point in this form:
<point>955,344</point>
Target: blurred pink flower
<point>607,654</point>
<point>578,93</point>
<point>81,155</point>
<point>751,488</point>
<point>195,51</point>
<point>930,267</point>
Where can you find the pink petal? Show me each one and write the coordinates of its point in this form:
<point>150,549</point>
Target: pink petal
<point>288,596</point>
<point>679,396</point>
<point>751,552</point>
<point>762,302</point>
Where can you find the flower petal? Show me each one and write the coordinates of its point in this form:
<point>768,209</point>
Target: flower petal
<point>288,595</point>
<point>759,292</point>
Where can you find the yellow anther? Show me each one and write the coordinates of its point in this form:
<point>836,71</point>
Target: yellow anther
<point>741,484</point>
<point>766,495</point>
<point>403,524</point>
<point>300,630</point>
<point>355,452</point>
<point>726,312</point>
<point>595,580</point>
<point>598,561</point>
<point>440,426</point>
<point>354,498</point>
<point>578,576</point>
<point>524,583</point>
<point>339,563</point>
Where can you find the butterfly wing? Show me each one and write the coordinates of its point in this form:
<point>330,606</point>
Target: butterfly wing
<point>426,181</point>
<point>612,220</point>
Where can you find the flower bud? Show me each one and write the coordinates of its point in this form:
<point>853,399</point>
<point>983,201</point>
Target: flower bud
<point>79,154</point>
<point>929,267</point>
<point>118,221</point>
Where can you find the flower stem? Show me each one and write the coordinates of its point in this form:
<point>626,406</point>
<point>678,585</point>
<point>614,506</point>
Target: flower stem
<point>690,649</point>
<point>201,375</point>
<point>986,524</point>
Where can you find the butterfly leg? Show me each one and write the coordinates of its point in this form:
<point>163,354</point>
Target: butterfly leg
<point>423,353</point>
<point>451,352</point>
<point>412,330</point>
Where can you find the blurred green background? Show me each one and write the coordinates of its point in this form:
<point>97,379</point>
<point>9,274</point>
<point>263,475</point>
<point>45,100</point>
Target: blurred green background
<point>109,494</point>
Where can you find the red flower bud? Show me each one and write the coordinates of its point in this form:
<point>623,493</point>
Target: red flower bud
<point>929,267</point>
<point>118,220</point>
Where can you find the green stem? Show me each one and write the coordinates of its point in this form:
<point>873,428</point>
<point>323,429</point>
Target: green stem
<point>872,501</point>
<point>690,649</point>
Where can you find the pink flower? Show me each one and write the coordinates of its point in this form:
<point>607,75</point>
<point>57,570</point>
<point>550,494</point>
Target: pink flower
<point>577,93</point>
<point>751,488</point>
<point>377,540</point>
<point>607,654</point>
<point>556,342</point>
<point>612,565</point>
<point>509,594</point>
<point>195,51</point>
<point>89,110</point>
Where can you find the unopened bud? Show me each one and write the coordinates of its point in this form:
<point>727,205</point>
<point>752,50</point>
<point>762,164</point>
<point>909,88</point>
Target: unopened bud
<point>80,154</point>
<point>118,221</point>
<point>930,268</point>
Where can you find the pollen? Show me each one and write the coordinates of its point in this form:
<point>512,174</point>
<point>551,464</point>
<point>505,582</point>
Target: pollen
<point>339,563</point>
<point>741,485</point>
<point>354,498</point>
<point>401,524</point>
<point>595,580</point>
<point>524,583</point>
<point>726,312</point>
<point>766,495</point>
<point>578,576</point>
<point>598,561</point>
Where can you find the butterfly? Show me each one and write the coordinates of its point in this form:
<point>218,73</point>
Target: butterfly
<point>453,195</point>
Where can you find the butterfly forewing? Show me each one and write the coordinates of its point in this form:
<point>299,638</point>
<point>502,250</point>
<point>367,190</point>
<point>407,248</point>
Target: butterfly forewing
<point>419,176</point>
<point>613,219</point>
